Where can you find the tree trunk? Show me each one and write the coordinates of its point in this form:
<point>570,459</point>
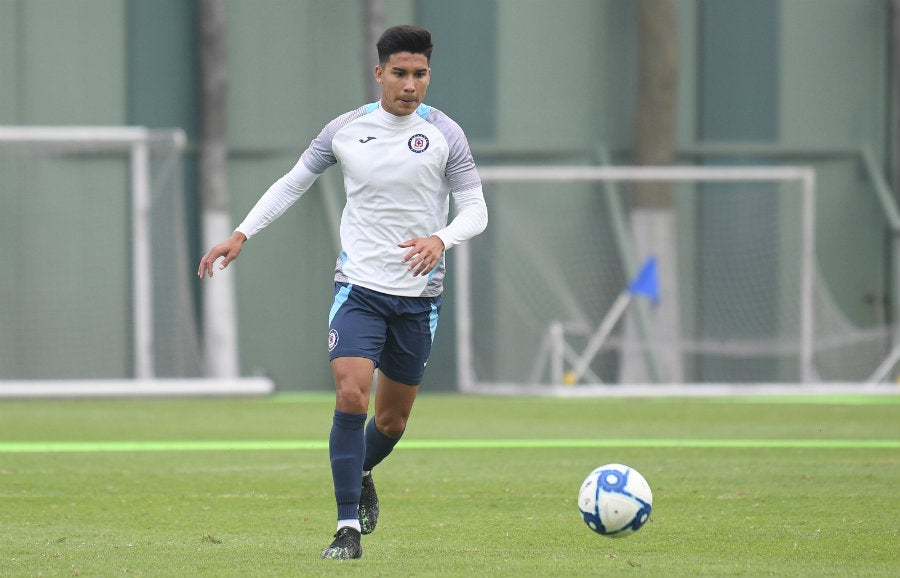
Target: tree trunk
<point>373,25</point>
<point>650,349</point>
<point>656,93</point>
<point>219,308</point>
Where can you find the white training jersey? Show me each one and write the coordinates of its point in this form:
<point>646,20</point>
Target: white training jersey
<point>399,173</point>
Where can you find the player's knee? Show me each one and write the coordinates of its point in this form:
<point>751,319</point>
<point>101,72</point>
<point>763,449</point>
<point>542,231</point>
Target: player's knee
<point>391,425</point>
<point>353,384</point>
<point>352,398</point>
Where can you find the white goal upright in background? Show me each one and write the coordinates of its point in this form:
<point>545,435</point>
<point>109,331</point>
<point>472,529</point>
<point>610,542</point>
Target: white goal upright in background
<point>540,302</point>
<point>95,294</point>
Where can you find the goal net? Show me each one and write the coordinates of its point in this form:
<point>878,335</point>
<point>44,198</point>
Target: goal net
<point>651,275</point>
<point>96,274</point>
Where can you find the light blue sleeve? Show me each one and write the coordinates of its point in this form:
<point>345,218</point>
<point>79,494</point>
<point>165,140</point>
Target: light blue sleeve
<point>465,184</point>
<point>460,171</point>
<point>320,155</point>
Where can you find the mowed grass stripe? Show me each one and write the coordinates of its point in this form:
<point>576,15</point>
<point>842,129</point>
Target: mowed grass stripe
<point>295,445</point>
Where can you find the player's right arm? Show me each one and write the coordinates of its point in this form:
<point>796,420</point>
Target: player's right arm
<point>278,198</point>
<point>230,248</point>
<point>274,202</point>
<point>280,195</point>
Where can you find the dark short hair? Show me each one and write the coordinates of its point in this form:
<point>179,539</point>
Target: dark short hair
<point>404,38</point>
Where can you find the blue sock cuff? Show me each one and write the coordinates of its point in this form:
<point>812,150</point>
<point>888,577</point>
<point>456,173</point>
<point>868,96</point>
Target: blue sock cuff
<point>349,420</point>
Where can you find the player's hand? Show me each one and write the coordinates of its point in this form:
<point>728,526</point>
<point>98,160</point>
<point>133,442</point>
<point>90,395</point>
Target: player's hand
<point>424,254</point>
<point>230,248</point>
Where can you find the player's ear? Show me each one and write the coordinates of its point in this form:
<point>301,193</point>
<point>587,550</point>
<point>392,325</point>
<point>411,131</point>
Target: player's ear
<point>379,72</point>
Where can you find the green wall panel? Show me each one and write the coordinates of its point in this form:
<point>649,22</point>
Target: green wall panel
<point>566,72</point>
<point>737,89</point>
<point>10,39</point>
<point>835,87</point>
<point>63,313</point>
<point>163,73</point>
<point>834,64</point>
<point>72,62</point>
<point>294,66</point>
<point>66,63</point>
<point>464,63</point>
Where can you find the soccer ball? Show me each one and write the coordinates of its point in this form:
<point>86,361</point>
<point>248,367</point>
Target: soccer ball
<point>615,500</point>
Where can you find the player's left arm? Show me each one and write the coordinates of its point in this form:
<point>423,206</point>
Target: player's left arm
<point>471,211</point>
<point>471,219</point>
<point>465,186</point>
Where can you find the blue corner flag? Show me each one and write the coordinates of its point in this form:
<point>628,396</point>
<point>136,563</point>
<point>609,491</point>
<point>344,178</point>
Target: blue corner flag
<point>645,282</point>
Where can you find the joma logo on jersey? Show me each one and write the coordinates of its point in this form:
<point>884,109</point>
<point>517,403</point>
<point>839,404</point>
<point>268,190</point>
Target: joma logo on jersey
<point>418,143</point>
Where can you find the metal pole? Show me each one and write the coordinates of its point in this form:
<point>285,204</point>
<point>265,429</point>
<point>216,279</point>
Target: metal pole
<point>142,275</point>
<point>807,278</point>
<point>465,373</point>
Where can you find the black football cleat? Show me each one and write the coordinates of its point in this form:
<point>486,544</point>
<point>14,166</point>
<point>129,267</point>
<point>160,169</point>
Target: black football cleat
<point>346,545</point>
<point>368,505</point>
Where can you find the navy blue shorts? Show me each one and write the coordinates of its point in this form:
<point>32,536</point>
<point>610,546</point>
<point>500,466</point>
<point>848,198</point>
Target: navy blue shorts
<point>394,332</point>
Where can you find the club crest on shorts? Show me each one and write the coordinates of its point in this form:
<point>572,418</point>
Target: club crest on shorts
<point>418,143</point>
<point>332,339</point>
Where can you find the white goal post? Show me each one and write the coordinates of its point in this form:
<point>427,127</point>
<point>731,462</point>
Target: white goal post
<point>478,338</point>
<point>118,190</point>
<point>133,141</point>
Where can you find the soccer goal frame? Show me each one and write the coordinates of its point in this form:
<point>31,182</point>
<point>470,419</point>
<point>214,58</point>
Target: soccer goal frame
<point>136,144</point>
<point>467,379</point>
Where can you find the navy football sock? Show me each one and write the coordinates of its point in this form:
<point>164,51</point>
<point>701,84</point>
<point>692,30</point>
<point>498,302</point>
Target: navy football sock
<point>378,446</point>
<point>346,448</point>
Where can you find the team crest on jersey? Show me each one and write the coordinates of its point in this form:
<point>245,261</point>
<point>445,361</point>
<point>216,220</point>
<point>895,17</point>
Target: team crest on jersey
<point>332,339</point>
<point>418,143</point>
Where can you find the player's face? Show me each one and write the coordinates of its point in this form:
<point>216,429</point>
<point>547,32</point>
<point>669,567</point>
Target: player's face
<point>404,79</point>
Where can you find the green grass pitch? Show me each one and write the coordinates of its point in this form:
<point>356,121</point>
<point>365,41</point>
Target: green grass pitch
<point>480,486</point>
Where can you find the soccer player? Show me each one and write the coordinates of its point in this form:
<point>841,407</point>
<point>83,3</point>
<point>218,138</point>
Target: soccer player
<point>401,161</point>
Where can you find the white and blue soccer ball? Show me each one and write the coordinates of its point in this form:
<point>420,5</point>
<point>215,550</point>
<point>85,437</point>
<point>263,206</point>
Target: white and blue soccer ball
<point>615,500</point>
